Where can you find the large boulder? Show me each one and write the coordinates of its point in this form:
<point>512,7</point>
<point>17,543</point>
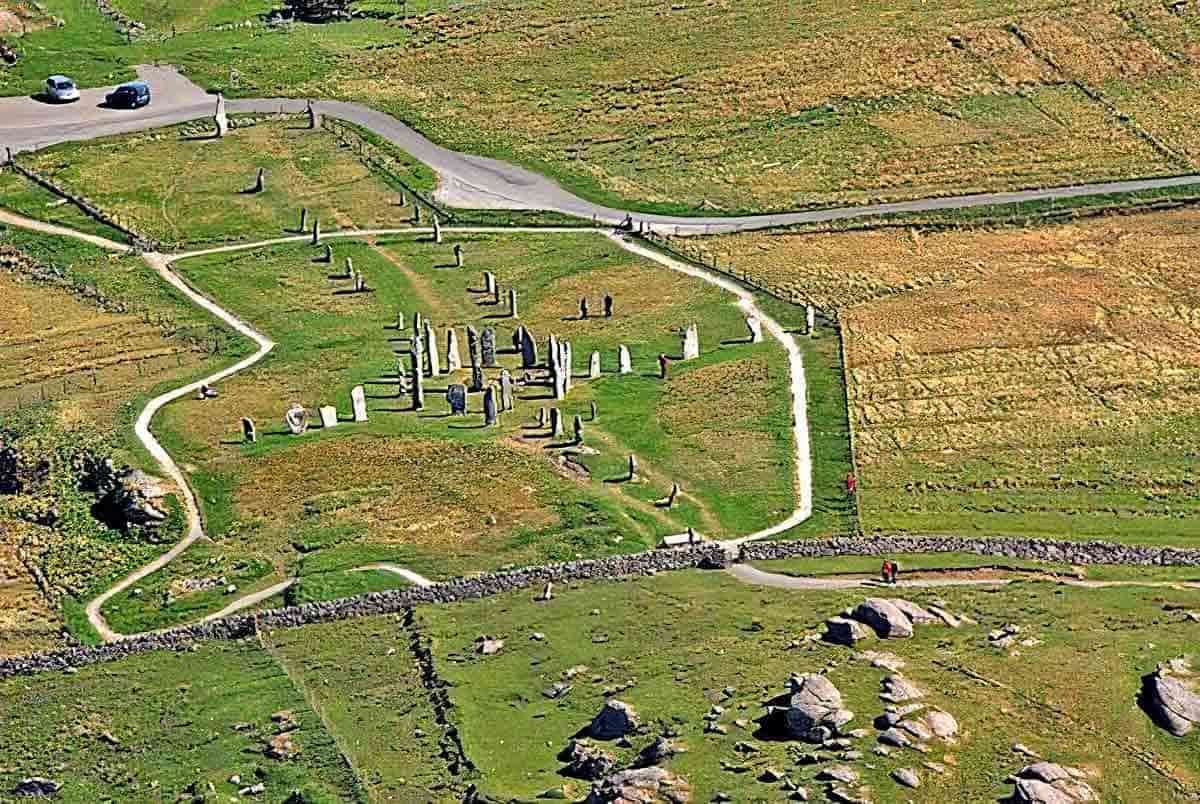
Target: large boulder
<point>651,785</point>
<point>586,761</point>
<point>815,710</point>
<point>1169,695</point>
<point>1050,783</point>
<point>844,631</point>
<point>915,614</point>
<point>128,497</point>
<point>615,720</point>
<point>888,621</point>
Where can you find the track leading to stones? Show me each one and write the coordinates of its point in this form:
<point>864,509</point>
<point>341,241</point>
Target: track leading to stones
<point>465,180</point>
<point>162,266</point>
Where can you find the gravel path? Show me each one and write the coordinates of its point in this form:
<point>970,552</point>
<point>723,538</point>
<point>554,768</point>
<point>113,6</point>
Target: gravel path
<point>747,573</point>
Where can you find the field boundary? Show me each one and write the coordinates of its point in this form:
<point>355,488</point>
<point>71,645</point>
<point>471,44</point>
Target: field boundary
<point>140,242</point>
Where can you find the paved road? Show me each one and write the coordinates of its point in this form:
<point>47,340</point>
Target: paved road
<point>466,180</point>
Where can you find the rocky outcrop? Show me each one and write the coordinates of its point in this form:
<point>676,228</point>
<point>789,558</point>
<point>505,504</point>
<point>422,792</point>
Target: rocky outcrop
<point>844,631</point>
<point>814,712</point>
<point>1049,783</point>
<point>1170,696</point>
<point>641,786</point>
<point>614,720</point>
<point>585,761</point>
<point>129,498</point>
<point>888,621</point>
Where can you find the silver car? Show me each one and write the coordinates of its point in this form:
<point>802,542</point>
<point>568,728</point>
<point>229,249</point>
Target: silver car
<point>61,89</point>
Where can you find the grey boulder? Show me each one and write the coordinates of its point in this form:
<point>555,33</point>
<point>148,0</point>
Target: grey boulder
<point>888,621</point>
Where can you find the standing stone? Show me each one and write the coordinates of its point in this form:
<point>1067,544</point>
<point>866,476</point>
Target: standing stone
<point>810,318</point>
<point>418,348</point>
<point>401,384</point>
<point>548,591</point>
<point>260,182</point>
<point>453,358</point>
<point>578,426</point>
<point>595,410</point>
<point>458,256</point>
<point>360,282</point>
<point>249,432</point>
<point>219,117</point>
<point>316,230</point>
<point>476,378</point>
<point>431,350</point>
<point>541,422</point>
<point>358,400</point>
<point>456,398</point>
<point>437,229</point>
<point>556,423</point>
<point>488,346</point>
<point>608,306</point>
<point>558,379</point>
<point>403,198</point>
<point>328,259</point>
<point>583,308</point>
<point>594,366</point>
<point>624,361</point>
<point>633,475</point>
<point>551,351</point>
<point>303,220</point>
<point>512,303</point>
<point>328,416</point>
<point>566,363</point>
<point>489,283</point>
<point>691,342</point>
<point>399,320</point>
<point>506,390</point>
<point>529,355</point>
<point>473,347</point>
<point>314,118</point>
<point>418,383</point>
<point>349,267</point>
<point>296,419</point>
<point>755,327</point>
<point>664,365</point>
<point>495,294</point>
<point>490,415</point>
<point>671,497</point>
<point>416,212</point>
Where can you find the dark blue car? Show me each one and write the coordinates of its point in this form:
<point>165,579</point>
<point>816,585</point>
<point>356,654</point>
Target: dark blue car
<point>133,95</point>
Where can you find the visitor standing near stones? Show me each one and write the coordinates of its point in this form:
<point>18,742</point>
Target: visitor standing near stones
<point>851,484</point>
<point>608,306</point>
<point>358,400</point>
<point>314,119</point>
<point>458,256</point>
<point>664,365</point>
<point>453,358</point>
<point>595,410</point>
<point>885,571</point>
<point>490,415</point>
<point>296,419</point>
<point>249,432</point>
<point>895,571</point>
<point>578,428</point>
<point>633,467</point>
<point>583,309</point>
<point>456,398</point>
<point>260,183</point>
<point>624,361</point>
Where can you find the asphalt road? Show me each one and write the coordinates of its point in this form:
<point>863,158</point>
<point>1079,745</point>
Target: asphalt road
<point>466,181</point>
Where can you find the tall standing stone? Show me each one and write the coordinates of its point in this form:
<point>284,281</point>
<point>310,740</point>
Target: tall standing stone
<point>456,398</point>
<point>578,427</point>
<point>551,351</point>
<point>399,320</point>
<point>473,347</point>
<point>556,423</point>
<point>437,229</point>
<point>529,355</point>
<point>314,117</point>
<point>633,467</point>
<point>303,227</point>
<point>416,212</point>
<point>418,382</point>
<point>608,306</point>
<point>418,326</point>
<point>260,181</point>
<point>328,258</point>
<point>506,390</point>
<point>691,342</point>
<point>453,358</point>
<point>558,380</point>
<point>349,267</point>
<point>220,120</point>
<point>664,366</point>
<point>249,432</point>
<point>431,348</point>
<point>418,350</point>
<point>624,361</point>
<point>328,416</point>
<point>401,384</point>
<point>458,256</point>
<point>568,364</point>
<point>594,366</point>
<point>583,309</point>
<point>490,414</point>
<point>358,400</point>
<point>755,327</point>
<point>512,303</point>
<point>476,378</point>
<point>488,347</point>
<point>316,230</point>
<point>594,410</point>
<point>541,422</point>
<point>489,283</point>
<point>810,318</point>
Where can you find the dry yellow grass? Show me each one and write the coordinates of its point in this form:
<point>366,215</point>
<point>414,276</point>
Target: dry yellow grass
<point>1059,365</point>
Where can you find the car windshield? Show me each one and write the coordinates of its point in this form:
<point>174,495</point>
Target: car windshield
<point>64,83</point>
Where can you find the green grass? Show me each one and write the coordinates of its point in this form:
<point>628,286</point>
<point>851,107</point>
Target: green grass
<point>174,717</point>
<point>709,632</point>
<point>22,196</point>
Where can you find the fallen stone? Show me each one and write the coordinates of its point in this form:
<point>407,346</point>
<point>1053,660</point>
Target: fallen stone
<point>1050,783</point>
<point>915,614</point>
<point>657,752</point>
<point>916,728</point>
<point>895,738</point>
<point>888,621</point>
<point>844,631</point>
<point>897,689</point>
<point>942,724</point>
<point>584,761</point>
<point>615,719</point>
<point>38,786</point>
<point>907,777</point>
<point>839,773</point>
<point>641,786</point>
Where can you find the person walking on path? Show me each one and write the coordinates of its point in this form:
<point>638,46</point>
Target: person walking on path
<point>885,571</point>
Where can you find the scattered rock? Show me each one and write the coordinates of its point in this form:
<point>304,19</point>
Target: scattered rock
<point>895,738</point>
<point>557,690</point>
<point>586,761</point>
<point>942,724</point>
<point>916,728</point>
<point>1050,783</point>
<point>658,751</point>
<point>253,790</point>
<point>915,614</point>
<point>641,786</point>
<point>488,646</point>
<point>945,616</point>
<point>839,773</point>
<point>844,631</point>
<point>615,719</point>
<point>1021,748</point>
<point>1169,695</point>
<point>888,621</point>
<point>882,660</point>
<point>907,777</point>
<point>815,709</point>
<point>770,776</point>
<point>38,786</point>
<point>281,746</point>
<point>897,689</point>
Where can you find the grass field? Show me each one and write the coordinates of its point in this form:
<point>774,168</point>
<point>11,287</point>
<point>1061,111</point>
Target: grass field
<point>1016,380</point>
<point>82,353</point>
<point>768,105</point>
<point>442,495</point>
<point>187,191</point>
<point>168,727</point>
<point>711,632</point>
